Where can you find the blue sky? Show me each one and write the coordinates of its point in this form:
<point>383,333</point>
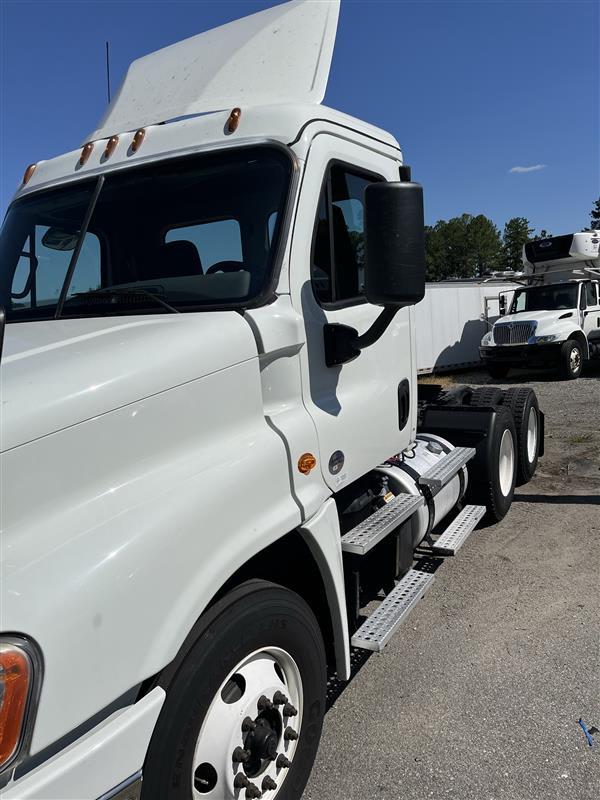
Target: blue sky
<point>470,89</point>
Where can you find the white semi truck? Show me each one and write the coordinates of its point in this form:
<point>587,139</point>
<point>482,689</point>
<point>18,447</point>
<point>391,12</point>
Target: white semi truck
<point>213,449</point>
<point>554,320</point>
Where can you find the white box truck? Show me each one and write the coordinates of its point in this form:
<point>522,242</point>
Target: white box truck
<point>214,453</point>
<point>554,320</point>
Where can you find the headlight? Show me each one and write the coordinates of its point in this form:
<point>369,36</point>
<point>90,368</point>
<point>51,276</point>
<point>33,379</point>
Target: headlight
<point>487,339</point>
<point>20,669</point>
<point>542,339</point>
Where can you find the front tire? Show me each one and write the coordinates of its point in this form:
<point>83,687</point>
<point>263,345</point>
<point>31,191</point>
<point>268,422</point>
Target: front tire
<point>571,359</point>
<point>216,736</point>
<point>493,470</point>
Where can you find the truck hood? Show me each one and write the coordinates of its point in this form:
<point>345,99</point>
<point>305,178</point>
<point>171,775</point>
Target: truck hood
<point>58,373</point>
<point>541,317</point>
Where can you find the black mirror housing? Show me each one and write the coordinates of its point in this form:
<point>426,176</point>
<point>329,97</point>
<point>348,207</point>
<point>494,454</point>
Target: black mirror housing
<point>394,244</point>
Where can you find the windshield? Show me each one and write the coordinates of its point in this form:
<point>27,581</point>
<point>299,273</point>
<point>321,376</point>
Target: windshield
<point>545,298</point>
<point>174,236</point>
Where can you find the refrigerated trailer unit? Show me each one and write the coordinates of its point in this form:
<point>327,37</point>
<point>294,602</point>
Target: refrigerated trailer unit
<point>214,452</point>
<point>553,319</point>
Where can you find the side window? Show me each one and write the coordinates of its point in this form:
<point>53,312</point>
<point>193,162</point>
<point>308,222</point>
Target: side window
<point>44,262</point>
<point>519,302</point>
<point>338,256</point>
<point>219,240</point>
<point>590,294</point>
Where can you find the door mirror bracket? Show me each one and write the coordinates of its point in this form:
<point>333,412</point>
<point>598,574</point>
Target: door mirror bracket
<point>343,343</point>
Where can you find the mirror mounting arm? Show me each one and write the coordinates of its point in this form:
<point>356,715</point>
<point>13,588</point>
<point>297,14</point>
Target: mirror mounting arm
<point>343,343</point>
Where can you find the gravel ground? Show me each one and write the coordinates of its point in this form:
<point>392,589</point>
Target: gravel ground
<point>478,696</point>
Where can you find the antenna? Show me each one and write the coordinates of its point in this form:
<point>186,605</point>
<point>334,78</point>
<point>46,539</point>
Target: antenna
<point>108,71</point>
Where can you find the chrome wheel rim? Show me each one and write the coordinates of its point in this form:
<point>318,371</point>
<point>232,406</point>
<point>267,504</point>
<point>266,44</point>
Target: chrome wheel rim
<point>233,760</point>
<point>575,359</point>
<point>532,435</point>
<point>506,465</point>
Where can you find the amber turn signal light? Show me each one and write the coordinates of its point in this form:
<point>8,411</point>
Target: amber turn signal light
<point>137,140</point>
<point>234,120</point>
<point>306,463</point>
<point>111,146</point>
<point>28,173</point>
<point>15,681</point>
<point>86,153</point>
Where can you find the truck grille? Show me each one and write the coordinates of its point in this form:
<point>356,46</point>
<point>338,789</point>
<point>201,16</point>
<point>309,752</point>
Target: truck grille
<point>514,332</point>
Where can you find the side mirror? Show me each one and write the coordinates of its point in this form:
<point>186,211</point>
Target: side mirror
<point>502,304</point>
<point>394,244</point>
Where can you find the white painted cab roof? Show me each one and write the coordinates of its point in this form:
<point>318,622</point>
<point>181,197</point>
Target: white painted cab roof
<point>279,55</point>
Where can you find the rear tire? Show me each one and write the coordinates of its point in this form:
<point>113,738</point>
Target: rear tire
<point>498,371</point>
<point>526,412</point>
<point>487,396</point>
<point>259,639</point>
<point>493,470</point>
<point>571,359</point>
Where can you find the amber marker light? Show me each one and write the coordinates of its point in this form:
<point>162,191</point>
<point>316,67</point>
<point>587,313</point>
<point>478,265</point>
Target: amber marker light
<point>86,153</point>
<point>137,140</point>
<point>111,146</point>
<point>306,463</point>
<point>234,120</point>
<point>15,682</point>
<point>28,173</point>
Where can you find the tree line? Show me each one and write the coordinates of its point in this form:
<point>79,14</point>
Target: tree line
<point>471,246</point>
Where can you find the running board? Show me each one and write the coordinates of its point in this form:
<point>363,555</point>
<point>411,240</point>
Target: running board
<point>459,530</point>
<point>376,527</point>
<point>446,468</point>
<point>383,623</point>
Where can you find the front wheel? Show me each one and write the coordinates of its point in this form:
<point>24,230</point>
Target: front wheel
<point>571,359</point>
<point>244,712</point>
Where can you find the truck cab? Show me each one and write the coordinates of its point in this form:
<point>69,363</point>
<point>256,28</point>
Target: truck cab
<point>214,452</point>
<point>553,320</point>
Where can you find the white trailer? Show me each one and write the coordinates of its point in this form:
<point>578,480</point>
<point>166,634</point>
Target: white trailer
<point>213,452</point>
<point>451,320</point>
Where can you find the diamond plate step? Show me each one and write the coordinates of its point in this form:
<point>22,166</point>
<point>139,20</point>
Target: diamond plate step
<point>459,530</point>
<point>446,468</point>
<point>376,527</point>
<point>379,628</point>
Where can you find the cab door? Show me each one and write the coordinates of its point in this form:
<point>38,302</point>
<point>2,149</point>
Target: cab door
<point>591,314</point>
<point>364,410</point>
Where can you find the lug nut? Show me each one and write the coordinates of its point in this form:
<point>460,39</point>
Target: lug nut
<point>241,781</point>
<point>279,698</point>
<point>289,710</point>
<point>290,734</point>
<point>264,704</point>
<point>253,791</point>
<point>248,725</point>
<point>240,756</point>
<point>283,762</point>
<point>268,783</point>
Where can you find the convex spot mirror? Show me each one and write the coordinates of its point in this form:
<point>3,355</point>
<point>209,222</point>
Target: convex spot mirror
<point>394,243</point>
<point>60,239</point>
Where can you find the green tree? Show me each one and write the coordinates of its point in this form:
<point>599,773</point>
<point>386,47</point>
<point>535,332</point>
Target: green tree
<point>486,245</point>
<point>462,247</point>
<point>516,233</point>
<point>543,234</point>
<point>595,216</point>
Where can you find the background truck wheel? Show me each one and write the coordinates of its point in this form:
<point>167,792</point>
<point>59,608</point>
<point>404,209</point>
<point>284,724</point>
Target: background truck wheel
<point>244,710</point>
<point>526,413</point>
<point>498,370</point>
<point>493,470</point>
<point>571,359</point>
<point>487,396</point>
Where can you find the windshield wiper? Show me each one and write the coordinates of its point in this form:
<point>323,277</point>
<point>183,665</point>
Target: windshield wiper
<point>129,290</point>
